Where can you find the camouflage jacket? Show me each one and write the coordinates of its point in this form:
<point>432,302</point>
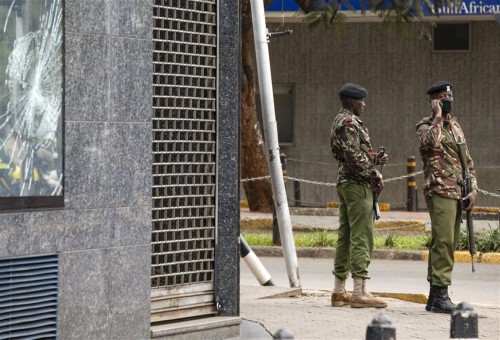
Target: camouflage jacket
<point>439,152</point>
<point>351,147</point>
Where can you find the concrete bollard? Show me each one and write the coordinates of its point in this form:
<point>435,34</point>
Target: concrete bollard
<point>381,328</point>
<point>464,322</point>
<point>253,262</point>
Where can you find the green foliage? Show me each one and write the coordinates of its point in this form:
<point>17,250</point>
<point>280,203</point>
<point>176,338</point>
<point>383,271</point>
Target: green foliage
<point>486,242</point>
<point>328,17</point>
<point>258,239</point>
<point>390,241</point>
<point>319,239</point>
<point>395,14</point>
<point>426,241</point>
<point>489,241</point>
<point>463,241</point>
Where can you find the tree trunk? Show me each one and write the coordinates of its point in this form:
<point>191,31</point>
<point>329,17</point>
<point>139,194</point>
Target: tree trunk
<point>253,157</point>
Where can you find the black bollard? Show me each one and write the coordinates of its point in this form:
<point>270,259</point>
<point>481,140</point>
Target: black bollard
<point>411,202</point>
<point>464,322</point>
<point>283,333</point>
<point>381,328</point>
<point>296,194</point>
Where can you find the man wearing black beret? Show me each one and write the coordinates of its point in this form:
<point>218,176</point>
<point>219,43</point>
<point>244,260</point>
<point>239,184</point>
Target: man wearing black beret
<point>357,183</point>
<point>438,135</point>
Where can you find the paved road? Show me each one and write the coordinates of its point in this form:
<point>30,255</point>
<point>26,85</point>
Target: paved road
<point>481,287</point>
<point>310,315</point>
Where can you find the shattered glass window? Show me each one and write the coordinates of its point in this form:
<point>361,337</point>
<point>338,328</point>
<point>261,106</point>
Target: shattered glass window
<point>31,98</point>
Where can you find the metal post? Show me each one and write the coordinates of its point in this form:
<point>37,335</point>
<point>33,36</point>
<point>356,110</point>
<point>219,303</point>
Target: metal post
<point>381,328</point>
<point>271,140</point>
<point>411,203</point>
<point>464,322</point>
<point>276,231</point>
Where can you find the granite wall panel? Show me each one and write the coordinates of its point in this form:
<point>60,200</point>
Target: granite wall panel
<point>125,18</point>
<point>102,295</point>
<point>227,249</point>
<point>107,164</point>
<point>107,78</point>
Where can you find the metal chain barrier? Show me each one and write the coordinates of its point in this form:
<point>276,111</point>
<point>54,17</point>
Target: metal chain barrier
<point>334,184</point>
<point>323,183</point>
<point>488,193</point>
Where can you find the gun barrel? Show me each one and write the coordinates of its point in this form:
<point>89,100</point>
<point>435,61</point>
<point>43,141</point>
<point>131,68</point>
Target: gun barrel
<point>461,155</point>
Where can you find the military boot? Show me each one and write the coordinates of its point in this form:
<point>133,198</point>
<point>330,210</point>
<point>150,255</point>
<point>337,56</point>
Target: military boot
<point>340,297</point>
<point>439,301</point>
<point>361,298</point>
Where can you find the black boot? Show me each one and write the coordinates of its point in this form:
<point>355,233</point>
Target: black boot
<point>439,301</point>
<point>430,300</point>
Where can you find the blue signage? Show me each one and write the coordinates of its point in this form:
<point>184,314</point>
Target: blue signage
<point>466,7</point>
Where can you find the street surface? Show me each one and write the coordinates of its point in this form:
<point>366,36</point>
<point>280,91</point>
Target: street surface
<point>310,316</point>
<point>393,276</point>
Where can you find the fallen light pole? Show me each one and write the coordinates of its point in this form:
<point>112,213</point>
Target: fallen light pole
<point>261,39</point>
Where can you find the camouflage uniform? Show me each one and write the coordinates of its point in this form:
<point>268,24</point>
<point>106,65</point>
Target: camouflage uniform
<point>357,181</point>
<point>443,171</point>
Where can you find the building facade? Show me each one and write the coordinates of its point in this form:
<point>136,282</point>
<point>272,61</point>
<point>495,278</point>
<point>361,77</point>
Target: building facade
<point>309,66</point>
<point>124,220</point>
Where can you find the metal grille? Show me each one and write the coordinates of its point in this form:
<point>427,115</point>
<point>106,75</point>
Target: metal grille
<point>184,142</point>
<point>28,297</point>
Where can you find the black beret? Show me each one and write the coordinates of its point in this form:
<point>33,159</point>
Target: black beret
<point>440,86</point>
<point>353,91</point>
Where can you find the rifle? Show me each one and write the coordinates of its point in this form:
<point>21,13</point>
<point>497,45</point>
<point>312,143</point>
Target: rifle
<point>466,189</point>
<point>376,208</point>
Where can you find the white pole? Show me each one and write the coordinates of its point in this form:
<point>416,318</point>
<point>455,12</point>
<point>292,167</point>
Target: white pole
<point>272,144</point>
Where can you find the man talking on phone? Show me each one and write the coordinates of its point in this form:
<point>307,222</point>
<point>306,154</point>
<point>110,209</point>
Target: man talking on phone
<point>438,135</point>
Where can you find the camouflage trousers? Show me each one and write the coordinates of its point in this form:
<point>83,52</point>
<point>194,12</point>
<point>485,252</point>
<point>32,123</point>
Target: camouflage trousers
<point>445,221</point>
<point>355,242</point>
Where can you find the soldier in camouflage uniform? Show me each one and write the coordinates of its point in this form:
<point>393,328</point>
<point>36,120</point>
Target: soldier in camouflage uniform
<point>438,136</point>
<point>358,181</point>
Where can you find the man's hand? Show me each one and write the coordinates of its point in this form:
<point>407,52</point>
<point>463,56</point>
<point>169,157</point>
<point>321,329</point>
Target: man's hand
<point>472,196</point>
<point>436,108</point>
<point>382,158</point>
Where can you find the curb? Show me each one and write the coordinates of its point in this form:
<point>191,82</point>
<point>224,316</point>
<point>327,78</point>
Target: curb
<point>267,224</point>
<point>381,254</point>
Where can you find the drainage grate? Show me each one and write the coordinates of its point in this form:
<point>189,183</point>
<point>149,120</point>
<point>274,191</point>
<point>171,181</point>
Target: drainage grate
<point>28,297</point>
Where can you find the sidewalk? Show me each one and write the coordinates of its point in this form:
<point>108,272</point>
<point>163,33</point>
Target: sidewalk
<point>331,221</point>
<point>308,315</point>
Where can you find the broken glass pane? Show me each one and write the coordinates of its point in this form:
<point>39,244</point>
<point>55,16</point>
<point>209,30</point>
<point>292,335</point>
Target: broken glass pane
<point>31,36</point>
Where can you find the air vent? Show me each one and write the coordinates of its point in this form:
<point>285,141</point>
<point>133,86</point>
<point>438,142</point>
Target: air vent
<point>28,297</point>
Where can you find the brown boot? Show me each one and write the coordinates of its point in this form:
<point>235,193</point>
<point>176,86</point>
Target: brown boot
<point>362,299</point>
<point>339,296</point>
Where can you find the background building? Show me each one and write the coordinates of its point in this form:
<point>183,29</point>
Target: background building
<point>310,66</point>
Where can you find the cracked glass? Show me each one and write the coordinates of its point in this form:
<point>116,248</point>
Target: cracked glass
<point>31,100</point>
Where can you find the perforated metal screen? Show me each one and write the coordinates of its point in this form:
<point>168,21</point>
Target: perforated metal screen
<point>184,143</point>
